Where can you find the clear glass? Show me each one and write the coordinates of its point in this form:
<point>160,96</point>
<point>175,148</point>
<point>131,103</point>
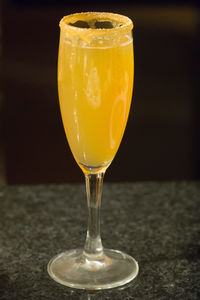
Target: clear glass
<point>95,81</point>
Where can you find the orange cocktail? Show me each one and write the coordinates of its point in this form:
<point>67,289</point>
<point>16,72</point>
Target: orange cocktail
<point>95,79</point>
<point>95,90</point>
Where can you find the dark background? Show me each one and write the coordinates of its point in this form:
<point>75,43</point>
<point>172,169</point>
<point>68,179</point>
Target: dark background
<point>161,141</point>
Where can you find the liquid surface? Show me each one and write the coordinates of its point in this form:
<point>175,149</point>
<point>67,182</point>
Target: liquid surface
<point>96,24</point>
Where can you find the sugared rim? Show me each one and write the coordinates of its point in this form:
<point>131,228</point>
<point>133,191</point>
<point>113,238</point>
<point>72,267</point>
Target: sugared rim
<point>126,23</point>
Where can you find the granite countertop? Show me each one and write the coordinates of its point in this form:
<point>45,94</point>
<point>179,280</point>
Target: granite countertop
<point>157,223</point>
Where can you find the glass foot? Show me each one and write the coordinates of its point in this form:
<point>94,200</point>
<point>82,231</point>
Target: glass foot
<point>77,270</point>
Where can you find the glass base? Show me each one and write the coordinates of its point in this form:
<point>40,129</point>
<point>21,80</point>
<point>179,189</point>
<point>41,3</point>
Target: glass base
<point>77,270</point>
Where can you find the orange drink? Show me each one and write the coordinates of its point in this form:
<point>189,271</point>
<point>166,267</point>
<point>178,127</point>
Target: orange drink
<point>95,89</point>
<point>95,79</point>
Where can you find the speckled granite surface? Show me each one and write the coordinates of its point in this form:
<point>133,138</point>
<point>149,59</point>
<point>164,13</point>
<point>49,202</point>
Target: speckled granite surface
<point>157,223</point>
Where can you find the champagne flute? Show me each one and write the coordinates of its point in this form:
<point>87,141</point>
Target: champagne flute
<point>95,81</point>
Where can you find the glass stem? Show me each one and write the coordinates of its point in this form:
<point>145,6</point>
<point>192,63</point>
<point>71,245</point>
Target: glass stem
<point>93,245</point>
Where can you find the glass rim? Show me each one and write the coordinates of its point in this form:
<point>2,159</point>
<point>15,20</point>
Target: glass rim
<point>126,24</point>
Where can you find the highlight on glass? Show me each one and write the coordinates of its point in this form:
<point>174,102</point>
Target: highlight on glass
<point>95,83</point>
